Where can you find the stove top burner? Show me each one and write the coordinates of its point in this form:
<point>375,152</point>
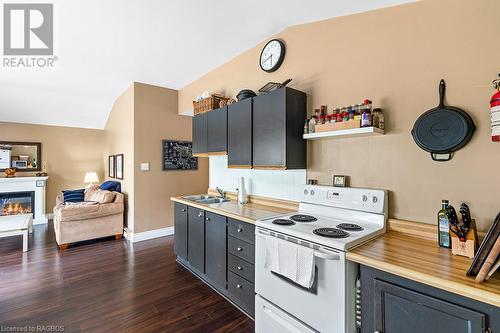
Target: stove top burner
<point>283,222</point>
<point>303,218</point>
<point>350,227</point>
<point>331,232</point>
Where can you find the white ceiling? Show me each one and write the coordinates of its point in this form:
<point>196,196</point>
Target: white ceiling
<point>103,46</point>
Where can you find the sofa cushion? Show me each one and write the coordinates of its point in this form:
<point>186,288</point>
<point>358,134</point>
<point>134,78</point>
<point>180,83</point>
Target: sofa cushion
<point>95,194</point>
<point>111,185</point>
<point>74,195</point>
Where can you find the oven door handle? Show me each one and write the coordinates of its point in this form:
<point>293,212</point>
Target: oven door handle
<point>326,256</point>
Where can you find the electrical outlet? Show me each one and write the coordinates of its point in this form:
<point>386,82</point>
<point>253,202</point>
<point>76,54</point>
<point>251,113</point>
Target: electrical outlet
<point>144,166</point>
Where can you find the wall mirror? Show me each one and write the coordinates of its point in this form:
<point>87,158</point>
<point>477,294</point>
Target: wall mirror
<point>24,156</point>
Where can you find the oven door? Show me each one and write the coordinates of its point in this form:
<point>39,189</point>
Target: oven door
<point>328,306</point>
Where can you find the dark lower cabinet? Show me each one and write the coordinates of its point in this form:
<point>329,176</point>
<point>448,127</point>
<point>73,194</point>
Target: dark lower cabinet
<point>215,249</point>
<point>200,134</point>
<point>204,245</point>
<point>181,230</point>
<point>196,239</point>
<point>391,304</point>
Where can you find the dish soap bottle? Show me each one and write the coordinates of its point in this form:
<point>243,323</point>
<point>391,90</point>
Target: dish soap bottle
<point>444,226</point>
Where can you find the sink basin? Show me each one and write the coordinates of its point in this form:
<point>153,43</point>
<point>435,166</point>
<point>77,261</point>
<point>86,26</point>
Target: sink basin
<point>212,200</point>
<point>198,197</point>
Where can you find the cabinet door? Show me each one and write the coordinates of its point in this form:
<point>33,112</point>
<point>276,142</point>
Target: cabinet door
<point>215,249</point>
<point>397,310</point>
<point>217,131</point>
<point>200,123</point>
<point>196,239</point>
<point>239,140</point>
<point>269,129</point>
<point>181,230</point>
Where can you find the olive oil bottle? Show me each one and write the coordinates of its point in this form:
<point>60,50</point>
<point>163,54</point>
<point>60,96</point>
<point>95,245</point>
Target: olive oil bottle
<point>444,226</point>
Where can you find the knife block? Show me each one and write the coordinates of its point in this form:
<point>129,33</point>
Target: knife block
<point>467,248</point>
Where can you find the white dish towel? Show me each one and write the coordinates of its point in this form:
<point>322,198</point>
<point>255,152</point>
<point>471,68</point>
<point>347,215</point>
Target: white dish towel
<point>290,260</point>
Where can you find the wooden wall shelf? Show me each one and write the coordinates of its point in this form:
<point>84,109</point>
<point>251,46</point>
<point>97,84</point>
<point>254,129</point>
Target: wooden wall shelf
<point>354,132</point>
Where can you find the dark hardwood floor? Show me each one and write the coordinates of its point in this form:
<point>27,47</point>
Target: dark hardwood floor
<point>107,286</point>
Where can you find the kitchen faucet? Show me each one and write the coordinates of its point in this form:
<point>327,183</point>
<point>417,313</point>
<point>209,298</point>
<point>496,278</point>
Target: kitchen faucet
<point>222,194</point>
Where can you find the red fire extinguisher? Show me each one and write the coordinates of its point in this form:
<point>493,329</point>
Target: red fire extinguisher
<point>495,112</point>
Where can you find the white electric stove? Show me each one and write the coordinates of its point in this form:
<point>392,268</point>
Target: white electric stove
<point>330,220</point>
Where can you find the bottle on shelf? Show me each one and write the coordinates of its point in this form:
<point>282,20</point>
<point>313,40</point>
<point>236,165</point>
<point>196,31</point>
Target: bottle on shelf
<point>444,226</point>
<point>306,126</point>
<point>312,124</point>
<point>378,118</point>
<point>366,116</point>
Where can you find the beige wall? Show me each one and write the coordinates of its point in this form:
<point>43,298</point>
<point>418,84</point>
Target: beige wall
<point>395,57</point>
<point>67,152</point>
<point>119,139</point>
<point>156,119</point>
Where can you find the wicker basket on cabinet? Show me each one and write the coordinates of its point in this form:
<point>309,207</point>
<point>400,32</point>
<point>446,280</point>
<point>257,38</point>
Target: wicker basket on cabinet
<point>208,104</point>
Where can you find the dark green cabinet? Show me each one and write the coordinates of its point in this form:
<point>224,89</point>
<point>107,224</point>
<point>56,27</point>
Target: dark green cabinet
<point>200,133</point>
<point>217,131</point>
<point>196,239</point>
<point>181,230</point>
<point>278,127</point>
<point>391,304</point>
<point>215,249</point>
<point>239,137</point>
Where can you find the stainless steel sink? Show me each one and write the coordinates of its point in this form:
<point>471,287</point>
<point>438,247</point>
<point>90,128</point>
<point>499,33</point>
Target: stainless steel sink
<point>198,197</point>
<point>212,200</point>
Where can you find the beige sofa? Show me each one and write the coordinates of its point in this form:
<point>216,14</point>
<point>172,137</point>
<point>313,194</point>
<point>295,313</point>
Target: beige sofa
<point>101,215</point>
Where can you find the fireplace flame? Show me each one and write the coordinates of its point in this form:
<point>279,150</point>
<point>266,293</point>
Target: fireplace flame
<point>15,209</point>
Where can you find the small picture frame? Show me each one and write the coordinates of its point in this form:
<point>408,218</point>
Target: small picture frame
<point>119,166</point>
<point>111,166</point>
<point>339,181</point>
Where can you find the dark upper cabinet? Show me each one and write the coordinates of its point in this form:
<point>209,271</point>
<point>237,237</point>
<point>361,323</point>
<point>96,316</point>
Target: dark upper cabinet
<point>196,242</point>
<point>181,230</point>
<point>215,249</point>
<point>278,127</point>
<point>239,137</point>
<point>200,134</point>
<point>217,131</point>
<point>392,304</point>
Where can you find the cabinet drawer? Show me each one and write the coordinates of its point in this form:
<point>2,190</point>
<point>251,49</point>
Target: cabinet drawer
<point>241,267</point>
<point>243,292</point>
<point>241,249</point>
<point>241,230</point>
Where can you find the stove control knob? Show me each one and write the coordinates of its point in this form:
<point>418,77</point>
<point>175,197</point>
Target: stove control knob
<point>365,198</point>
<point>312,192</point>
<point>306,192</point>
<point>374,199</point>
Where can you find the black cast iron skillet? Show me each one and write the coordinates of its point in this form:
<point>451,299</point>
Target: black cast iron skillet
<point>443,129</point>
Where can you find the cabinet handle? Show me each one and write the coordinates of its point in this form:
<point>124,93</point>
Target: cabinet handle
<point>200,214</point>
<point>208,218</point>
<point>239,229</point>
<point>239,249</point>
<point>183,209</point>
<point>239,286</point>
<point>240,268</point>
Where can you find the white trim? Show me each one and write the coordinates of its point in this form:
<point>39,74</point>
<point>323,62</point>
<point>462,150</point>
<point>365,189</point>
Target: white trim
<point>142,236</point>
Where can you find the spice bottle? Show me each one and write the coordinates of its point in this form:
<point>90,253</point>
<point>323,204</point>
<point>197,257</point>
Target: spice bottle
<point>378,118</point>
<point>312,124</point>
<point>306,126</point>
<point>366,116</point>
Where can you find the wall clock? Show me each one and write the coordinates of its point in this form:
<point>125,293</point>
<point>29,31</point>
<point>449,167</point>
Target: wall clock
<point>272,55</point>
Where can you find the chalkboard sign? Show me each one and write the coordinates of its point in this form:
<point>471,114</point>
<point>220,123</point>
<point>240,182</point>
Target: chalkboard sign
<point>178,155</point>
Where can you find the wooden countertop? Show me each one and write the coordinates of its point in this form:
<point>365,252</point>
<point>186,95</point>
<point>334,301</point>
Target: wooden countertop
<point>249,212</point>
<point>420,259</point>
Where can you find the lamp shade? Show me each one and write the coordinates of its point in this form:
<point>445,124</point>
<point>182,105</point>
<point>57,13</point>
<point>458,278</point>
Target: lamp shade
<point>90,178</point>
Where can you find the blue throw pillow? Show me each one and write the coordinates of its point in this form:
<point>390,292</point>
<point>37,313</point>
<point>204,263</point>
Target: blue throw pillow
<point>74,195</point>
<point>111,185</point>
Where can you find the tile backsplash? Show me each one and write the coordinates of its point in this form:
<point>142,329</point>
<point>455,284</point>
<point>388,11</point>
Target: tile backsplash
<point>281,184</point>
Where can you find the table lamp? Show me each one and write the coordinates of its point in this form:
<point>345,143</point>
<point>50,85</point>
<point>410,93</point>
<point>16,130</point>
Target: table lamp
<point>90,178</point>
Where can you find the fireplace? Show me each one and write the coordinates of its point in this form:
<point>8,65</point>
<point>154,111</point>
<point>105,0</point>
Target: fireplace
<point>13,203</point>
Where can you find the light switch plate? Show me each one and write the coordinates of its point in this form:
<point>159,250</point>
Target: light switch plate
<point>144,166</point>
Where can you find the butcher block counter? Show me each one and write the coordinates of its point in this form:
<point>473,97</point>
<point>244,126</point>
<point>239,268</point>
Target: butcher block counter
<point>410,250</point>
<point>257,208</point>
